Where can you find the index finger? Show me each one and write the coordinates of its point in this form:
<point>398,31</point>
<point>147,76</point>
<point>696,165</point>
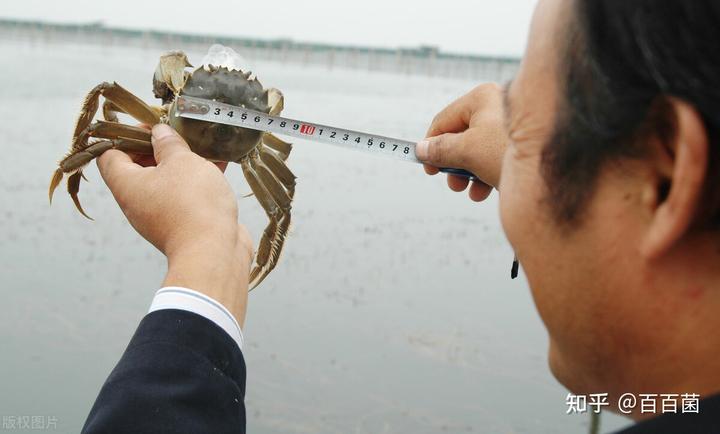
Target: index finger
<point>454,118</point>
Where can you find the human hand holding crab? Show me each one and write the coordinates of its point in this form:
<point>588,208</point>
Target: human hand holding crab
<point>190,214</point>
<point>261,155</point>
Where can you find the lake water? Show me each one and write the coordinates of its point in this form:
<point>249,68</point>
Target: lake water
<point>391,311</point>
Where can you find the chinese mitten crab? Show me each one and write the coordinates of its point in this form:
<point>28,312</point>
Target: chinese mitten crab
<point>261,155</point>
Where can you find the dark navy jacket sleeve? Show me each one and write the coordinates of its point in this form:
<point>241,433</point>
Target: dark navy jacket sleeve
<point>181,373</point>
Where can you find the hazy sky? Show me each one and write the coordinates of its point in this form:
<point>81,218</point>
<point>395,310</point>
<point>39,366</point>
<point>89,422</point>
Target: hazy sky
<point>496,27</point>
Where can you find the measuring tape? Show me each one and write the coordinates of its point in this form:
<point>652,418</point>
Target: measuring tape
<point>221,113</point>
<point>217,112</point>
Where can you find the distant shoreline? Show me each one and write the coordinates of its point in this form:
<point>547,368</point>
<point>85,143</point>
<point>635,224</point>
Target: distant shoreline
<point>423,60</point>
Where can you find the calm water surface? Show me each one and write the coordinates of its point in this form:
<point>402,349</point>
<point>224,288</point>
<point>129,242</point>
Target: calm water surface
<point>390,312</point>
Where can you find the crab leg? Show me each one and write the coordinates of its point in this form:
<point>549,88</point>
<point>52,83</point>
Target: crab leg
<point>276,101</point>
<point>76,160</point>
<point>120,97</point>
<point>274,186</point>
<point>283,197</point>
<point>134,139</point>
<point>110,111</point>
<point>113,130</point>
<point>279,169</point>
<point>79,156</point>
<point>273,142</point>
<point>276,201</point>
<point>273,213</point>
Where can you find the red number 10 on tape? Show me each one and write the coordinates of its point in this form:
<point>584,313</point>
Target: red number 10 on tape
<point>307,129</point>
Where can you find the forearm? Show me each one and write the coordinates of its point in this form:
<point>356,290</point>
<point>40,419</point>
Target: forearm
<point>218,268</point>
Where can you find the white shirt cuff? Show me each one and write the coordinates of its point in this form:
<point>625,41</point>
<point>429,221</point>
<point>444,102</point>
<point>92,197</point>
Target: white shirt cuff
<point>175,297</point>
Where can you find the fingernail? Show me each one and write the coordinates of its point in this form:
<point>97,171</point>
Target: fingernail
<point>161,131</point>
<point>421,149</point>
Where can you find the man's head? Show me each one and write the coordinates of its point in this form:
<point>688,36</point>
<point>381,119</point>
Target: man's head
<point>610,190</point>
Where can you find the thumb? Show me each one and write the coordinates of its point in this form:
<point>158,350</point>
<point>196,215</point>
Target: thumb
<point>118,171</point>
<point>167,142</point>
<point>445,150</point>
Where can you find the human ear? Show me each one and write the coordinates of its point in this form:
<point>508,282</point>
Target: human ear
<point>681,168</point>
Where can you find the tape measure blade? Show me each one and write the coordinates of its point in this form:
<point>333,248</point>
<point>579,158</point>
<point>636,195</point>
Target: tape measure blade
<point>213,111</point>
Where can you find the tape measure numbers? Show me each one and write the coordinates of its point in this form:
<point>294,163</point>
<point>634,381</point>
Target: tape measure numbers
<point>213,111</point>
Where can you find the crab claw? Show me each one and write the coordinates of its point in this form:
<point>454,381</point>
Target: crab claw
<point>170,73</point>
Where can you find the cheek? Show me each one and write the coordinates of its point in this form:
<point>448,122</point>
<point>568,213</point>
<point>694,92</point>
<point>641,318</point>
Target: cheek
<point>567,272</point>
<point>530,230</point>
<point>508,211</point>
<point>520,199</point>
